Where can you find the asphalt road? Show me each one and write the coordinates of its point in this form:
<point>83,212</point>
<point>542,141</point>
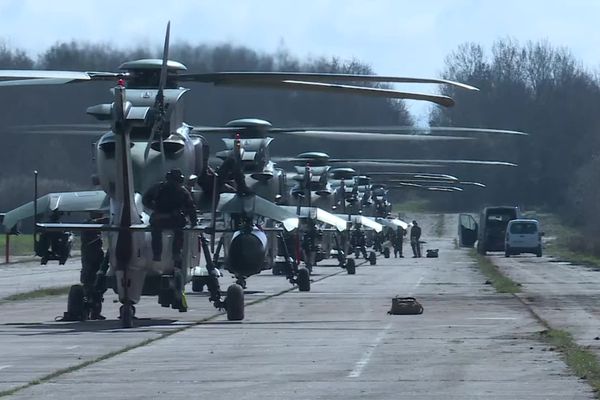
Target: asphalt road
<point>335,342</point>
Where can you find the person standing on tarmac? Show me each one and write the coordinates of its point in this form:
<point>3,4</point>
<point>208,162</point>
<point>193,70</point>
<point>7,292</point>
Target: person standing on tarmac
<point>171,202</point>
<point>398,239</point>
<point>415,237</point>
<point>358,240</point>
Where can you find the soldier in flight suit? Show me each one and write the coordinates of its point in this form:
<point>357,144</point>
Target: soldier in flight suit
<point>232,170</point>
<point>358,239</point>
<point>398,238</point>
<point>415,236</point>
<point>92,259</point>
<point>171,203</point>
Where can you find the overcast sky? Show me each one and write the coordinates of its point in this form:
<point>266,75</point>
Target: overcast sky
<point>401,37</point>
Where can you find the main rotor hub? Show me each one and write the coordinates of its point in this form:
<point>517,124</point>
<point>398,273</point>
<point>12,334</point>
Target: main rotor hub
<point>145,73</point>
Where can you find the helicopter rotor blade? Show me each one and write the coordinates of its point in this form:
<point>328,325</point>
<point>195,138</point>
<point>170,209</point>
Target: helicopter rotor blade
<point>159,104</point>
<point>350,135</point>
<point>410,130</point>
<point>425,161</point>
<point>411,174</point>
<point>334,135</point>
<point>345,89</point>
<point>237,77</point>
<point>46,77</point>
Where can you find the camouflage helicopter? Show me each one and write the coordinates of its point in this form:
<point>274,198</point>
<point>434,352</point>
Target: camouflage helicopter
<point>148,137</point>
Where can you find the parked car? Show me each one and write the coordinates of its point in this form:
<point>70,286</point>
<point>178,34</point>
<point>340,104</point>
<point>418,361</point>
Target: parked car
<point>523,236</point>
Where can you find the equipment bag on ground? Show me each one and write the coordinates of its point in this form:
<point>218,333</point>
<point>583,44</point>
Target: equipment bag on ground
<point>405,306</point>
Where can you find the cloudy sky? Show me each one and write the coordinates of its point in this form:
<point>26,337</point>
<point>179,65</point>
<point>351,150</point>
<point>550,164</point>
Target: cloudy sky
<point>402,37</point>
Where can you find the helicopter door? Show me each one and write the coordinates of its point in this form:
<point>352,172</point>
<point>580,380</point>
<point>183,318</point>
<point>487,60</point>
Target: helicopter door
<point>467,230</point>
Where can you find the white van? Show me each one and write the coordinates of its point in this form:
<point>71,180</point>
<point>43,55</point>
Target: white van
<point>523,236</point>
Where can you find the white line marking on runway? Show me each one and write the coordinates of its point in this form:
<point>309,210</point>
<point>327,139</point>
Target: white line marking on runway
<point>72,347</point>
<point>5,366</point>
<point>493,318</point>
<point>362,363</point>
<point>416,286</point>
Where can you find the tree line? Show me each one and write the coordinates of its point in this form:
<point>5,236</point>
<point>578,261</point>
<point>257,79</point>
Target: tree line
<point>543,90</point>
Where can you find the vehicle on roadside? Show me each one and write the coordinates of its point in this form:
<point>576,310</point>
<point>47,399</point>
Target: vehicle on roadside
<point>523,236</point>
<point>493,222</point>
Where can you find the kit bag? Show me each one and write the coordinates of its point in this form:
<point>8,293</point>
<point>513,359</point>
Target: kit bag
<point>405,306</point>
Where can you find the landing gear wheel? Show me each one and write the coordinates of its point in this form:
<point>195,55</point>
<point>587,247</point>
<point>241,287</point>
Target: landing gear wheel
<point>234,303</point>
<point>351,266</point>
<point>126,314</point>
<point>372,258</point>
<point>76,303</point>
<point>197,284</point>
<point>386,252</point>
<point>538,253</point>
<point>303,280</point>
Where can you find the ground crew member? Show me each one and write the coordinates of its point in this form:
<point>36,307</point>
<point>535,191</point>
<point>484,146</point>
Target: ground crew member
<point>358,240</point>
<point>398,239</point>
<point>171,202</point>
<point>232,169</point>
<point>92,258</point>
<point>415,236</point>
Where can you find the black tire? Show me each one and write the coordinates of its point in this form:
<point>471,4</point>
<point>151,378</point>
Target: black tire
<point>235,303</point>
<point>76,303</point>
<point>372,258</point>
<point>538,253</point>
<point>197,284</point>
<point>126,313</point>
<point>351,266</point>
<point>303,280</point>
<point>386,252</point>
<point>507,252</point>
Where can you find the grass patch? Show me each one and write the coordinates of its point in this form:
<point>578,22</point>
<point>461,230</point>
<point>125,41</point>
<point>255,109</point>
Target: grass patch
<point>36,294</point>
<point>568,243</point>
<point>20,245</point>
<point>582,361</point>
<point>412,206</point>
<point>499,281</point>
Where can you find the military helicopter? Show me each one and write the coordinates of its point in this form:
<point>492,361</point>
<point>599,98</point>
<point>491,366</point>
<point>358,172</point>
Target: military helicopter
<point>148,137</point>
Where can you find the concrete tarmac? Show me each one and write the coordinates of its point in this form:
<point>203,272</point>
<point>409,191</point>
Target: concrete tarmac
<point>26,276</point>
<point>334,342</point>
<point>565,295</point>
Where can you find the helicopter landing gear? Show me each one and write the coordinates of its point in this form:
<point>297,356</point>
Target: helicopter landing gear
<point>372,258</point>
<point>127,315</point>
<point>198,283</point>
<point>350,266</point>
<point>241,281</point>
<point>76,310</point>
<point>303,280</point>
<point>234,303</point>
